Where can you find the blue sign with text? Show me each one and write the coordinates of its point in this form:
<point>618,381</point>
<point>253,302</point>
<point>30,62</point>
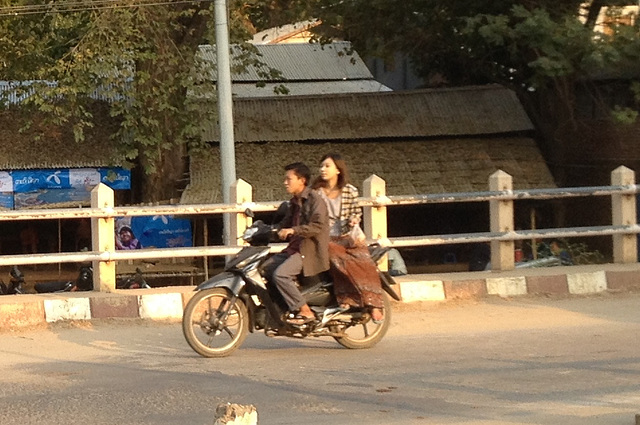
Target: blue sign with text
<point>33,180</point>
<point>6,200</point>
<point>159,231</point>
<point>26,181</point>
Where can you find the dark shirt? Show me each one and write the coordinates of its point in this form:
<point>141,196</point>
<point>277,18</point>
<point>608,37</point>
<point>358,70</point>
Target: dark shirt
<point>295,240</point>
<point>311,233</point>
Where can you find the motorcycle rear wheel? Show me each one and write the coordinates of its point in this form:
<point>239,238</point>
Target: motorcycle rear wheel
<point>212,326</point>
<point>367,334</point>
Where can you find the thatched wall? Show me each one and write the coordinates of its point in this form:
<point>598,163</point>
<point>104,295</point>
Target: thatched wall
<point>408,167</point>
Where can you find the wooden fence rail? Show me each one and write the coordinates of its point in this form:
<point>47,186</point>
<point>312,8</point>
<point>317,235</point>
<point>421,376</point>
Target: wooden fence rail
<point>501,196</point>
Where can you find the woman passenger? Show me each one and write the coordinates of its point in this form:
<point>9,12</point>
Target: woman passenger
<point>356,279</point>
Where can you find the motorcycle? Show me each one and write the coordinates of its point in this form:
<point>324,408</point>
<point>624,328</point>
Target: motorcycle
<point>84,282</point>
<point>135,281</point>
<point>15,285</point>
<point>228,306</point>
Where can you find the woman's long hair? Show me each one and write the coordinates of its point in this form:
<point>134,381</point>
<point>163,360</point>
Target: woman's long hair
<point>341,165</point>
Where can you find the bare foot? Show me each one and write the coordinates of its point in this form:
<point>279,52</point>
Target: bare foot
<point>305,311</point>
<point>376,315</point>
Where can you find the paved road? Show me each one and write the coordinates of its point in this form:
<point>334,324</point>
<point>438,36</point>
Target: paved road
<point>520,361</point>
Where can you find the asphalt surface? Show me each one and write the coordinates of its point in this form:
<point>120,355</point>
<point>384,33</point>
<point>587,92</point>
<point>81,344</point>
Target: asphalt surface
<point>531,360</point>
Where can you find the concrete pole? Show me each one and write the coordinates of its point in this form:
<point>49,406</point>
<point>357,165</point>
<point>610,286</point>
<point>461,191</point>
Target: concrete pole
<point>225,111</point>
<point>623,211</point>
<point>501,212</point>
<point>103,235</point>
<point>241,192</point>
<point>375,218</point>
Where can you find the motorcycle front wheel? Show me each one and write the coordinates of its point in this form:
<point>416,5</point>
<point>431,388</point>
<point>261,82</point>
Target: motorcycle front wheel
<point>213,325</point>
<point>366,334</point>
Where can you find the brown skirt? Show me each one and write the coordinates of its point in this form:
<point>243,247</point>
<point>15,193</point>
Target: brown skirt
<point>355,276</point>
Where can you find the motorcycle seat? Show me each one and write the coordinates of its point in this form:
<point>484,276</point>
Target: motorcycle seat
<point>307,282</point>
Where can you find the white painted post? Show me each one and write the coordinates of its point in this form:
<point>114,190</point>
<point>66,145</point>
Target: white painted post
<point>623,212</point>
<point>375,218</point>
<point>240,193</point>
<point>103,236</point>
<point>501,213</point>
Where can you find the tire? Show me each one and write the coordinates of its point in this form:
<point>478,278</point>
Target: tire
<point>367,334</point>
<point>208,336</point>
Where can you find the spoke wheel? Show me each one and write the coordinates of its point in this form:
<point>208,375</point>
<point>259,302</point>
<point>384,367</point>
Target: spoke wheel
<point>367,334</point>
<point>213,326</point>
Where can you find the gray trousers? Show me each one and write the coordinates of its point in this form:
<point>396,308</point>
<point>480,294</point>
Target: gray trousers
<point>282,269</point>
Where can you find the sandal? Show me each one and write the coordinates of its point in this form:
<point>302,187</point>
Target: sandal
<point>298,319</point>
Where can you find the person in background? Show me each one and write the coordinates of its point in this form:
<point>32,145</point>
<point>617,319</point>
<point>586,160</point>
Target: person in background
<point>126,239</point>
<point>306,226</point>
<point>558,250</point>
<point>355,275</point>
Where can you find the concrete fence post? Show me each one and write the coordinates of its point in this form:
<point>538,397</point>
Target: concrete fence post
<point>103,239</point>
<point>240,194</point>
<point>501,213</point>
<point>375,218</point>
<point>623,212</point>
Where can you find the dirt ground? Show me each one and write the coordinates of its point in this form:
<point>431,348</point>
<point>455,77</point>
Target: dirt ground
<point>496,361</point>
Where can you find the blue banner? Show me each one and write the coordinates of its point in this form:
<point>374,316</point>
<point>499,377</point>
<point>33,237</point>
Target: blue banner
<point>33,180</point>
<point>160,231</point>
<point>116,178</point>
<point>25,181</point>
<point>6,200</point>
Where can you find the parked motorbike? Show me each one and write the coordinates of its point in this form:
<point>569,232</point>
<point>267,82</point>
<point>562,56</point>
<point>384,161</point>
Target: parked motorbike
<point>237,301</point>
<point>15,285</point>
<point>135,281</point>
<point>84,282</point>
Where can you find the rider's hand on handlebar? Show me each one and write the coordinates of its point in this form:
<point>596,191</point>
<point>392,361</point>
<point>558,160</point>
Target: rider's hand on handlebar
<point>284,234</point>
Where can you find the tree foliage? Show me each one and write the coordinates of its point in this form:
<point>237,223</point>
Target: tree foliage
<point>530,45</point>
<point>549,52</point>
<point>139,58</point>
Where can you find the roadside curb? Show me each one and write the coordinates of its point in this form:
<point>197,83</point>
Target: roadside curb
<point>18,311</point>
<point>570,280</point>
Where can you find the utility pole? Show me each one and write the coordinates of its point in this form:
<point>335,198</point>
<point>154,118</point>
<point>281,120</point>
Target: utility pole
<point>225,110</point>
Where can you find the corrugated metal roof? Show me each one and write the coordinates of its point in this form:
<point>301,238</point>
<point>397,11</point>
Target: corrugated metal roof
<point>465,111</point>
<point>298,62</point>
<point>409,167</point>
<point>308,88</point>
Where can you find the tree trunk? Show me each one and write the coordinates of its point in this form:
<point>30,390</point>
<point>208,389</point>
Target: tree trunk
<point>163,166</point>
<point>164,183</point>
<point>594,12</point>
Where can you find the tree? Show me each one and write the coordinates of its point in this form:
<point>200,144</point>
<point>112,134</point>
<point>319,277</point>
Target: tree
<point>541,49</point>
<point>138,56</point>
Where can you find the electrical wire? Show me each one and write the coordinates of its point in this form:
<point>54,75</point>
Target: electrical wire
<point>84,5</point>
